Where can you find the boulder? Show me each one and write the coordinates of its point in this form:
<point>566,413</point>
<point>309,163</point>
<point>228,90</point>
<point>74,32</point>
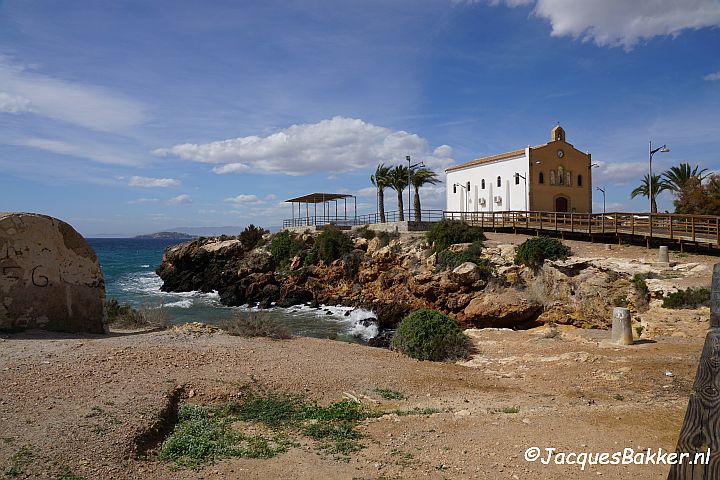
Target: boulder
<point>466,273</point>
<point>256,261</point>
<point>50,278</point>
<point>505,309</point>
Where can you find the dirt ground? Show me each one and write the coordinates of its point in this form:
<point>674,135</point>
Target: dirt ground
<point>79,404</point>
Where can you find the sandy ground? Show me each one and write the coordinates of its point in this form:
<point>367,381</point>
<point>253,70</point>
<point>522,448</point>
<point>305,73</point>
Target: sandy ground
<point>79,403</point>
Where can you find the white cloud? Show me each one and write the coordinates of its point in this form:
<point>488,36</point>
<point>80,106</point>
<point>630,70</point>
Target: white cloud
<point>712,77</point>
<point>13,103</point>
<point>141,201</point>
<point>183,199</point>
<point>136,181</point>
<point>620,173</point>
<point>92,107</point>
<point>621,22</point>
<point>244,200</point>
<point>95,152</point>
<point>330,146</point>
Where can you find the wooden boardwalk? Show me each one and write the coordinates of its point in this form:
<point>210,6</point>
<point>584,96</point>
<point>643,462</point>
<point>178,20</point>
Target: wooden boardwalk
<point>667,227</point>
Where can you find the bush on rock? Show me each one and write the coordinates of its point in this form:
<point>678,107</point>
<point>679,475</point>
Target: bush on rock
<point>534,251</point>
<point>448,232</point>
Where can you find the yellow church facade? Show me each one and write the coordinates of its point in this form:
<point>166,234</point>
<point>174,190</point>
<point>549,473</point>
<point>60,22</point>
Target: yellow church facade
<point>552,177</point>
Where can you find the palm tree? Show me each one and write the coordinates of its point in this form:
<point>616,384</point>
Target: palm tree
<point>418,178</point>
<point>380,181</point>
<point>398,180</point>
<point>677,177</point>
<point>656,186</point>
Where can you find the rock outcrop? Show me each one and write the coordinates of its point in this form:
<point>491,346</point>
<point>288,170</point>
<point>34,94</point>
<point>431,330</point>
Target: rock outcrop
<point>393,278</point>
<point>50,278</point>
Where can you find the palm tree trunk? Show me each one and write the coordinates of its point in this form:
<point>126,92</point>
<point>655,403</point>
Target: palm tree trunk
<point>381,205</point>
<point>653,206</point>
<point>400,204</point>
<point>417,205</point>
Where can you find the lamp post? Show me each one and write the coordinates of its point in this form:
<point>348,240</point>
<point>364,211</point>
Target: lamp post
<point>603,192</point>
<point>663,149</point>
<point>524,180</point>
<point>410,167</point>
<point>467,194</point>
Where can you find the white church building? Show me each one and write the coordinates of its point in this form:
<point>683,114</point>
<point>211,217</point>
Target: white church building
<point>554,176</point>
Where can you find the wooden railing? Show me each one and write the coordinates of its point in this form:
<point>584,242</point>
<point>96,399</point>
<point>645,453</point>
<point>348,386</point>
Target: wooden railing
<point>692,228</point>
<point>676,227</point>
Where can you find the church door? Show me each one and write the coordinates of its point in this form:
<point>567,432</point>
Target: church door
<point>561,204</point>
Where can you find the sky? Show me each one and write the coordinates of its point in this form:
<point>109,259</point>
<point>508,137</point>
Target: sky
<point>129,117</point>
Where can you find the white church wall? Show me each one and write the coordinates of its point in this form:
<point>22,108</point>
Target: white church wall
<point>511,196</point>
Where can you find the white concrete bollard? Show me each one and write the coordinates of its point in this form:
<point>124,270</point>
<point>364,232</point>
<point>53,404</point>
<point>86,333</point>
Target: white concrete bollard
<point>621,327</point>
<point>663,255</point>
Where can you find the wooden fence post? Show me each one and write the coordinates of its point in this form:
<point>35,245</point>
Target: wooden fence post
<point>700,430</point>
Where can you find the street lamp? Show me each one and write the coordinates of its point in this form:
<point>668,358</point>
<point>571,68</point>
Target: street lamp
<point>603,217</point>
<point>410,167</point>
<point>663,149</point>
<point>603,192</point>
<point>524,180</point>
<point>467,194</point>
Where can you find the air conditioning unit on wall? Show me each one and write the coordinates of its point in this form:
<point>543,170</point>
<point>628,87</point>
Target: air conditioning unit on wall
<point>481,202</point>
<point>498,200</point>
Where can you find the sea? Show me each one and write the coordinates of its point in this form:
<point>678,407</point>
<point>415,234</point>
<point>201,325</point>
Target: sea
<point>129,265</point>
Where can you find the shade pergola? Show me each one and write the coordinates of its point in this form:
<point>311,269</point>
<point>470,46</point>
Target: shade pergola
<point>324,199</point>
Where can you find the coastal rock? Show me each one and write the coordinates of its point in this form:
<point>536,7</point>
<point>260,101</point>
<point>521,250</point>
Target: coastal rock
<point>458,247</point>
<point>466,273</point>
<point>505,309</point>
<point>256,261</point>
<point>50,277</point>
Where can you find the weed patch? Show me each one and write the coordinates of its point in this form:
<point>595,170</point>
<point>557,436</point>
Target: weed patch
<point>205,434</point>
<point>21,459</point>
<point>389,394</point>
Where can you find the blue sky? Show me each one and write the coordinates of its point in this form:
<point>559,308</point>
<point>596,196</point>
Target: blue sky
<point>135,116</point>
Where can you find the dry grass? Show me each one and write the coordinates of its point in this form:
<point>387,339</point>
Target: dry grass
<point>255,324</point>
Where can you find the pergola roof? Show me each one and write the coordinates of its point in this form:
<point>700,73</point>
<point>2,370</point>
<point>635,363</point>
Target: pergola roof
<point>318,197</point>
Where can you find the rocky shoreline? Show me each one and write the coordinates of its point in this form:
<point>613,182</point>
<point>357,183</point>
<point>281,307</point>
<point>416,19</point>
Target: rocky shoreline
<point>394,277</point>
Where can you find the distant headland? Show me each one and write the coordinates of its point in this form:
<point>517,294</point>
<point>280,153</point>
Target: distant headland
<point>166,235</point>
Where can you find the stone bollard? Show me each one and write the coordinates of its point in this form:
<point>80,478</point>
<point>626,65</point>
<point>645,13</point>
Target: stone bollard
<point>621,327</point>
<point>663,256</point>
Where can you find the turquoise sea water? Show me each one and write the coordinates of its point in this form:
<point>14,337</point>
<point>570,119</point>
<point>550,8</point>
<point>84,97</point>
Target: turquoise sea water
<point>129,265</point>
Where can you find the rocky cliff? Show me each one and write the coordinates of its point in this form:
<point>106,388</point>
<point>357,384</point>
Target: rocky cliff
<point>402,275</point>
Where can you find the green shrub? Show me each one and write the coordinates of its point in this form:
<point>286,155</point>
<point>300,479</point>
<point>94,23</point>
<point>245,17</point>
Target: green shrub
<point>251,236</point>
<point>284,246</point>
<point>330,245</point>
<point>365,232</point>
<point>534,251</point>
<point>641,292</point>
<point>689,298</point>
<point>447,260</point>
<point>430,335</point>
<point>640,285</point>
<point>448,232</point>
<point>113,310</point>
